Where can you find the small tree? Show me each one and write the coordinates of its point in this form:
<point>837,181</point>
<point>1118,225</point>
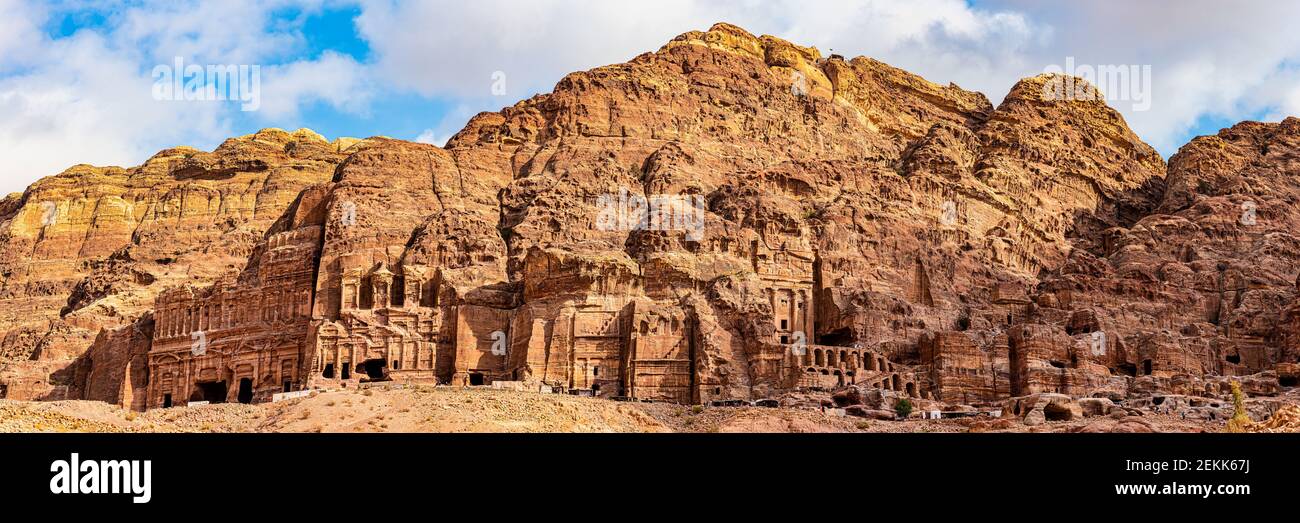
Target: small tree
<point>903,408</point>
<point>1240,420</point>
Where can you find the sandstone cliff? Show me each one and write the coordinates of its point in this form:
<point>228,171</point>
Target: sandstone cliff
<point>856,224</point>
<point>90,248</point>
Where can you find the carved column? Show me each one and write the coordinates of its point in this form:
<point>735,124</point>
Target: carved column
<point>382,281</point>
<point>808,313</point>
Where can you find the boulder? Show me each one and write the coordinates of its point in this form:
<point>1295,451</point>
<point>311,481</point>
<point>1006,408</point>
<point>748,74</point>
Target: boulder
<point>1095,406</point>
<point>864,412</point>
<point>847,396</point>
<point>1039,408</point>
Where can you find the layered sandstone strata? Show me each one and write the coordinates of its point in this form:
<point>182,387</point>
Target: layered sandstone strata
<point>90,249</point>
<point>821,222</point>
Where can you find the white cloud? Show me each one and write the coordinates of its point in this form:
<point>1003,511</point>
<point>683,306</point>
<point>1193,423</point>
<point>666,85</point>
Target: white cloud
<point>84,103</point>
<point>428,136</point>
<point>335,79</point>
<point>455,118</point>
<point>1207,58</point>
<point>453,48</point>
<point>85,98</point>
<point>941,40</point>
<point>88,97</point>
<point>18,32</point>
<point>229,31</point>
<point>448,50</point>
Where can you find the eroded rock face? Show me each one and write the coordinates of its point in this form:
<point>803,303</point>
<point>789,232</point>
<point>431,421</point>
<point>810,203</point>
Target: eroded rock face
<point>1202,285</point>
<point>91,248</point>
<point>816,223</point>
<point>1039,408</point>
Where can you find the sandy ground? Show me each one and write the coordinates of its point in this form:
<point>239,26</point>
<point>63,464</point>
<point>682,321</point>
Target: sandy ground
<point>447,409</point>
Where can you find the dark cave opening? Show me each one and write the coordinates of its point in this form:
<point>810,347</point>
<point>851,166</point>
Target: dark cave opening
<point>374,369</point>
<point>838,338</point>
<point>1053,412</point>
<point>245,390</point>
<point>210,391</point>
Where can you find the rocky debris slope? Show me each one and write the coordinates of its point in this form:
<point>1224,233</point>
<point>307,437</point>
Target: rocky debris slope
<point>423,409</point>
<point>1203,285</point>
<point>1287,419</point>
<point>446,409</point>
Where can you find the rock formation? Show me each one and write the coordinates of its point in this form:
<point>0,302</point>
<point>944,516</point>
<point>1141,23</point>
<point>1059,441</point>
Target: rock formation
<point>88,251</point>
<point>729,218</point>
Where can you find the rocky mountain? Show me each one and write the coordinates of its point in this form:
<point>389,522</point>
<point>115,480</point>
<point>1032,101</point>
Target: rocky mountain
<point>90,248</point>
<point>813,223</point>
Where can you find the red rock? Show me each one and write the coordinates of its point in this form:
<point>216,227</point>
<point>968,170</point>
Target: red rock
<point>862,411</point>
<point>859,227</point>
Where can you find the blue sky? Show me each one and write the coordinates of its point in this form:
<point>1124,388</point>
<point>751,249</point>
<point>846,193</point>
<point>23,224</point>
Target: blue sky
<point>323,28</point>
<point>75,75</point>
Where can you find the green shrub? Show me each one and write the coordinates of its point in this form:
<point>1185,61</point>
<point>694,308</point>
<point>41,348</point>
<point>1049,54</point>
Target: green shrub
<point>903,408</point>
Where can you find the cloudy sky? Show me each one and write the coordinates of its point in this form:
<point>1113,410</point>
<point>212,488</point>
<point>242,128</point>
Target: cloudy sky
<point>78,78</point>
